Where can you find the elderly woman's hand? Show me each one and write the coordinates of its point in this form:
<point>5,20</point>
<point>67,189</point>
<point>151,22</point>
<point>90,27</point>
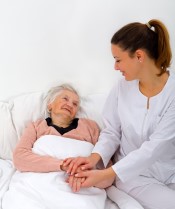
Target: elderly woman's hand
<point>75,183</point>
<point>78,164</point>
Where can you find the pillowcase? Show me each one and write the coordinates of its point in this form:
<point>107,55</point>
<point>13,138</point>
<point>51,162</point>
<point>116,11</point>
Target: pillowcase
<point>26,108</point>
<point>8,136</point>
<point>15,114</point>
<point>92,107</point>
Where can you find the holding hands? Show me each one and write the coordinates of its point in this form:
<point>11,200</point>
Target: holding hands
<point>81,163</point>
<point>83,173</point>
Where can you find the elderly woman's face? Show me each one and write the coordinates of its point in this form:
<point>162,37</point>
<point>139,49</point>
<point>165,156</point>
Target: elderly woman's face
<point>66,103</point>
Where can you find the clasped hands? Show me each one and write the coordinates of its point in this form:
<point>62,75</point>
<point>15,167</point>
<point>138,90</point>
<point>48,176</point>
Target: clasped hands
<point>82,173</point>
<point>76,168</point>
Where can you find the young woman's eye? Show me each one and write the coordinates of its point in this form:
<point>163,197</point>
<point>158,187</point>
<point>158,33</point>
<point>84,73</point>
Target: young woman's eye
<point>117,61</point>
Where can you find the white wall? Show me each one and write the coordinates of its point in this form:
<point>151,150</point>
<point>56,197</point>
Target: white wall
<point>46,41</point>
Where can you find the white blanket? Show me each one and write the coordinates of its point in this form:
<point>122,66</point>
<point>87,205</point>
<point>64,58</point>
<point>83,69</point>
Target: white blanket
<point>30,190</point>
<point>6,172</point>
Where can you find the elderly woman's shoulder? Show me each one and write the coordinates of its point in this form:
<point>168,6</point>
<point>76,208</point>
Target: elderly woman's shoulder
<point>38,122</point>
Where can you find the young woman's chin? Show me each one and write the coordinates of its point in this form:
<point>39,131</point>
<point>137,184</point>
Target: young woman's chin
<point>128,78</point>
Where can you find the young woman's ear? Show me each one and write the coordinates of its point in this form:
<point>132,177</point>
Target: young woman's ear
<point>140,55</point>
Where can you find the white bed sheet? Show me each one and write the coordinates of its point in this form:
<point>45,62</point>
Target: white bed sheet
<point>6,172</point>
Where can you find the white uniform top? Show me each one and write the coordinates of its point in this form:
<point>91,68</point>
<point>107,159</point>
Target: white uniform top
<point>144,138</point>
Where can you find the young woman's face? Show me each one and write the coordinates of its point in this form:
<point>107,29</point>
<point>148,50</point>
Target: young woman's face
<point>127,65</point>
<point>66,104</point>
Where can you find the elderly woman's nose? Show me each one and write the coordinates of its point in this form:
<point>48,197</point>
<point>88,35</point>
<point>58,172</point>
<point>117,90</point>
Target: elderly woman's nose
<point>70,103</point>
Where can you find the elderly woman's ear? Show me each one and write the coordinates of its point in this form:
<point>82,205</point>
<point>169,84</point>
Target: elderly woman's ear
<point>49,108</point>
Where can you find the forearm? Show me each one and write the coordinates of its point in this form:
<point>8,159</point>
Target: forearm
<point>106,183</point>
<point>108,174</point>
<point>95,158</point>
<point>31,162</point>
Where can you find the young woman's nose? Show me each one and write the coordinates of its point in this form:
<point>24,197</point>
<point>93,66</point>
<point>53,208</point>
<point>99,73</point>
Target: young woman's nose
<point>116,67</point>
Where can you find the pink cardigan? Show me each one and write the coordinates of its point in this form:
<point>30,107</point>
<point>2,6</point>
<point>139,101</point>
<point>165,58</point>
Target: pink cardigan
<point>25,160</point>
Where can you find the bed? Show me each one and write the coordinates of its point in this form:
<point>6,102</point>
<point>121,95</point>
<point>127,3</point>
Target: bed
<point>15,113</point>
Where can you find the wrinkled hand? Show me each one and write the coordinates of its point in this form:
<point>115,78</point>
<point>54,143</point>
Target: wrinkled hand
<point>75,183</point>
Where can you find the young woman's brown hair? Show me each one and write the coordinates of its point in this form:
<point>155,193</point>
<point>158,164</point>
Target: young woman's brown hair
<point>153,37</point>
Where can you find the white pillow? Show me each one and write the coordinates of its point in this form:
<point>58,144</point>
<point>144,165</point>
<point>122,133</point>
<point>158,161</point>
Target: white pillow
<point>8,136</point>
<point>27,107</point>
<point>92,107</point>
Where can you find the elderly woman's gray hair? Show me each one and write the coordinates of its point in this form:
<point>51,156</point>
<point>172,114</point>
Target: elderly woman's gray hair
<point>55,91</point>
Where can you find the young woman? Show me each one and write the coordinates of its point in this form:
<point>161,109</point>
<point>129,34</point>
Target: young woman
<point>139,116</point>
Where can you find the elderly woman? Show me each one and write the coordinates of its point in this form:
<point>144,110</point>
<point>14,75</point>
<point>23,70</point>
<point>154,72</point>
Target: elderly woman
<point>63,103</point>
<point>39,181</point>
